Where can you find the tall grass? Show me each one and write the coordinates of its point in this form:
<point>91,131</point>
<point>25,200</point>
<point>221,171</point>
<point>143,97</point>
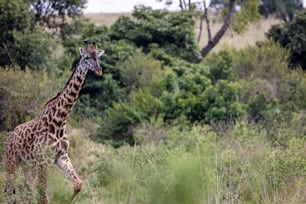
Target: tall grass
<point>198,165</point>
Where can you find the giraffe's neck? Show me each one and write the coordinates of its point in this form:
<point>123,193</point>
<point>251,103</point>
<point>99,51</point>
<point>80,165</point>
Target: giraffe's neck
<point>61,105</point>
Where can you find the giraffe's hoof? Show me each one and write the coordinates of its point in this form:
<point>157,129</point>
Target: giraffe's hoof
<point>77,187</point>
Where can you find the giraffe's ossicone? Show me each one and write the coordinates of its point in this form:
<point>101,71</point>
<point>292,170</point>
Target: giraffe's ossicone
<point>43,141</point>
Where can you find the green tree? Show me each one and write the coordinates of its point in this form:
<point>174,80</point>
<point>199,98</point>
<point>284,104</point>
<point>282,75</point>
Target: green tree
<point>238,21</point>
<point>154,29</point>
<point>60,17</point>
<point>283,9</point>
<point>292,36</point>
<point>25,25</point>
<point>22,44</point>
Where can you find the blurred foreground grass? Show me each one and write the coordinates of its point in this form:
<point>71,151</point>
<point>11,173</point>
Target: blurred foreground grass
<point>195,167</point>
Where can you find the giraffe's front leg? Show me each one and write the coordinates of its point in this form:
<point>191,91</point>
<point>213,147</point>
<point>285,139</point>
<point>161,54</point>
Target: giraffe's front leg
<point>65,164</point>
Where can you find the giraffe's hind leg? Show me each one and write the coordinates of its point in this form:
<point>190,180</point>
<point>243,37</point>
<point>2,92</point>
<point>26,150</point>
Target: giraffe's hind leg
<point>42,184</point>
<point>11,164</point>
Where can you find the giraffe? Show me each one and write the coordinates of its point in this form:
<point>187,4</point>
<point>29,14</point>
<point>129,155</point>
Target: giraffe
<point>42,141</point>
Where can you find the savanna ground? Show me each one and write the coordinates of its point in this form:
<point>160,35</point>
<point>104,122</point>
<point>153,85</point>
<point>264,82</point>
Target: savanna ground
<point>187,164</point>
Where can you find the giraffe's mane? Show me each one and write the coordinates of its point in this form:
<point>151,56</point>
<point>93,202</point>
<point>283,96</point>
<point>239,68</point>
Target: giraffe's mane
<point>54,97</point>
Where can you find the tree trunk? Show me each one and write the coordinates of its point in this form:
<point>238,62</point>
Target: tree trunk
<point>214,41</point>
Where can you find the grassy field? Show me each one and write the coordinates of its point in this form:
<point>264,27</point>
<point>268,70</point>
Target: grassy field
<point>253,34</point>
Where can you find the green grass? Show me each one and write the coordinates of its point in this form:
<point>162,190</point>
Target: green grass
<point>196,166</point>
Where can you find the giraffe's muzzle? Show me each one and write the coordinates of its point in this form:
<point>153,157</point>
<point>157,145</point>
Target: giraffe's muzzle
<point>99,71</point>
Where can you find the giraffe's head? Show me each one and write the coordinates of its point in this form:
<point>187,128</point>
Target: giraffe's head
<point>90,58</point>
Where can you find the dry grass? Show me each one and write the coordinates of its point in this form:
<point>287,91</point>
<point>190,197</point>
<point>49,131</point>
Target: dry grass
<point>250,37</point>
<point>253,34</point>
<point>106,19</point>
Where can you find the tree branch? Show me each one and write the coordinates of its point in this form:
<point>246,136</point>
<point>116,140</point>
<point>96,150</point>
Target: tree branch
<point>201,27</point>
<point>207,21</point>
<point>214,41</point>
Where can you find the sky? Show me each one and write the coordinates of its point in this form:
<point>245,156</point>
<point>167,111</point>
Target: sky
<point>122,6</point>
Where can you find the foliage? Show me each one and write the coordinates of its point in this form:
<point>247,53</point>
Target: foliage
<point>142,81</point>
<point>21,44</point>
<point>119,122</point>
<point>188,165</point>
<point>292,36</point>
<point>33,49</point>
<point>267,60</point>
<point>171,32</point>
<point>220,66</point>
<point>271,90</point>
<point>140,71</point>
<point>283,9</point>
<point>22,94</point>
<point>246,16</point>
<point>230,129</point>
<point>53,15</point>
<point>182,89</point>
<point>221,102</point>
<point>285,165</point>
<point>96,96</point>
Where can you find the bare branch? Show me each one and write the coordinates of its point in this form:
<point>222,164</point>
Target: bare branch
<point>214,41</point>
<point>207,21</point>
<point>201,28</point>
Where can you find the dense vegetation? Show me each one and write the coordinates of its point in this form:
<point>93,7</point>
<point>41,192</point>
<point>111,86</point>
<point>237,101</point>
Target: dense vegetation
<point>160,128</point>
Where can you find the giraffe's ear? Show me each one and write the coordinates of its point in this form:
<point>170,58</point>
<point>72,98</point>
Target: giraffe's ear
<point>82,51</point>
<point>100,52</point>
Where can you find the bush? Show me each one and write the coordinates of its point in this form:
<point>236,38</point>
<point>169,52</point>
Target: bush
<point>22,95</point>
<point>96,96</point>
<point>271,89</point>
<point>220,102</point>
<point>267,60</point>
<point>141,71</point>
<point>292,36</point>
<point>220,66</point>
<point>118,122</point>
<point>286,165</point>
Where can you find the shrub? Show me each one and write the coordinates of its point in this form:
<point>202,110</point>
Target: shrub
<point>96,96</point>
<point>22,94</point>
<point>118,122</point>
<point>220,102</point>
<point>284,166</point>
<point>267,60</point>
<point>292,36</point>
<point>220,66</point>
<point>140,71</point>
